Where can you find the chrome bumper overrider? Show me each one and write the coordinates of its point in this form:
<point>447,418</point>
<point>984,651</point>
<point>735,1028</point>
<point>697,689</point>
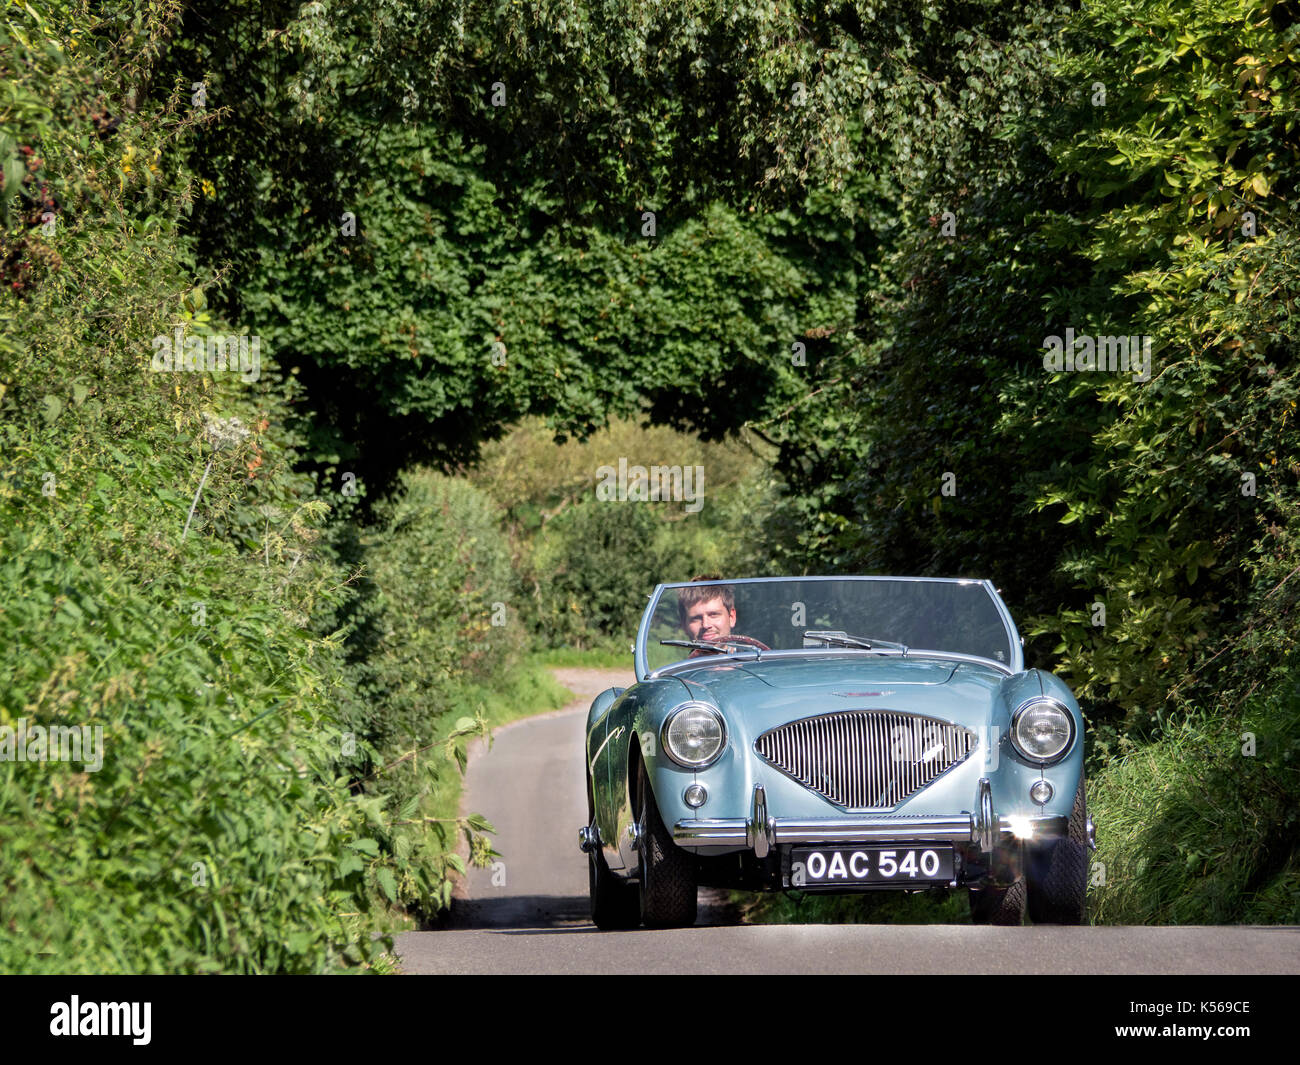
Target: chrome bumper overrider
<point>760,832</point>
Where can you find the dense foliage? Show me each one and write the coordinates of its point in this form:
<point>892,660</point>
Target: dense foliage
<point>587,559</point>
<point>434,613</point>
<point>218,832</point>
<point>167,588</point>
<point>1142,183</point>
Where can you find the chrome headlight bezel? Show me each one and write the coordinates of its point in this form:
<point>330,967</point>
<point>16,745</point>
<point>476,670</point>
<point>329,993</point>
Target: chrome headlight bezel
<point>676,756</point>
<point>1040,701</point>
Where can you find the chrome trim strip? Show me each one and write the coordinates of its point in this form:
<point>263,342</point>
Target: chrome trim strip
<point>1017,646</point>
<point>1042,827</point>
<point>832,830</point>
<point>957,828</point>
<point>591,766</point>
<point>760,835</point>
<point>986,824</point>
<point>737,830</point>
<point>640,664</point>
<point>716,830</point>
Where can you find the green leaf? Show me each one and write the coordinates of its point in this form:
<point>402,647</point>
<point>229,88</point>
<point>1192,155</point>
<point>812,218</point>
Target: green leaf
<point>479,823</point>
<point>13,174</point>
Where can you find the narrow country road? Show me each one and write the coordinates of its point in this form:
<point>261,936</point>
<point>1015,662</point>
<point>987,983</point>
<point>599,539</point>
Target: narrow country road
<point>530,785</point>
<point>528,914</point>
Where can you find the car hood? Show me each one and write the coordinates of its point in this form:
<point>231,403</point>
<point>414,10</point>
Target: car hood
<point>765,693</point>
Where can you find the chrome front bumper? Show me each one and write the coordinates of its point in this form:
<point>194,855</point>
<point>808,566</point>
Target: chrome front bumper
<point>760,832</point>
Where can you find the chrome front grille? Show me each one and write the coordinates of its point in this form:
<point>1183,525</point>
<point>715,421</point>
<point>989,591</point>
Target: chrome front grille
<point>866,759</point>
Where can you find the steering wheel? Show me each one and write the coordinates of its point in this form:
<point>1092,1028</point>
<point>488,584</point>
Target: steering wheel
<point>747,641</point>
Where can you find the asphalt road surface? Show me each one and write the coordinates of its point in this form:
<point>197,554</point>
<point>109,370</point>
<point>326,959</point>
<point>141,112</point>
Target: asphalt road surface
<point>528,914</point>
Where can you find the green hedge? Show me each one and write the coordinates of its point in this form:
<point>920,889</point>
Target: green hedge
<point>220,832</point>
<point>435,624</point>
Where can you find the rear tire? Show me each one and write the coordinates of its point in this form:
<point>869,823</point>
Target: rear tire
<point>1058,872</point>
<point>668,892</point>
<point>615,905</point>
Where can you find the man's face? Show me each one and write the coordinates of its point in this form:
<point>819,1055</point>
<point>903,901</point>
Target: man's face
<point>709,620</point>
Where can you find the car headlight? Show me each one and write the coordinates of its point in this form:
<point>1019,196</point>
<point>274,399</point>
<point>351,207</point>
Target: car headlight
<point>693,735</point>
<point>1042,730</point>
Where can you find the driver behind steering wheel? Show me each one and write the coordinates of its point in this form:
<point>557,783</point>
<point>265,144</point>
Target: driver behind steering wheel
<point>709,613</point>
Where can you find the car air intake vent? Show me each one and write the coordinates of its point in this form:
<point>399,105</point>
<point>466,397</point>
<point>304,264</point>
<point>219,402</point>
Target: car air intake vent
<point>866,759</point>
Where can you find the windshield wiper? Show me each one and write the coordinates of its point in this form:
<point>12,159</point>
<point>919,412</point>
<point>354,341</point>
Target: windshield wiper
<point>840,637</point>
<point>719,646</point>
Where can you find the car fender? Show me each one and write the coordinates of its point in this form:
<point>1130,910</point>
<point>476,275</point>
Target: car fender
<point>637,743</point>
<point>1015,774</point>
<point>602,729</point>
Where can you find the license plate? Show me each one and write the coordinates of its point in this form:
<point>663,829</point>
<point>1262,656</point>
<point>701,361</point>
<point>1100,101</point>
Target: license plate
<point>836,866</point>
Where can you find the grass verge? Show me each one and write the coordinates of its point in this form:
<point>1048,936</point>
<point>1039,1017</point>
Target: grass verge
<point>1201,827</point>
<point>607,656</point>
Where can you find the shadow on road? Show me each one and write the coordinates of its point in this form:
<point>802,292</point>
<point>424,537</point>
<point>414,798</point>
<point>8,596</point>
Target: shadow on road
<point>560,912</point>
<point>519,911</point>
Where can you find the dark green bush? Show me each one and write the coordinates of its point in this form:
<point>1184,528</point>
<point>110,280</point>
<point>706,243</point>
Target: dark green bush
<point>437,616</point>
<point>593,565</point>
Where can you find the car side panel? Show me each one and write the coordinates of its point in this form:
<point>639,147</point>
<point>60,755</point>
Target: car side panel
<point>611,804</point>
<point>625,736</point>
<point>598,760</point>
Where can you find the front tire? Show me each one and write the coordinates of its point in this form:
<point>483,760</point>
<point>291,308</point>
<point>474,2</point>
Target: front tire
<point>615,905</point>
<point>1058,872</point>
<point>1001,903</point>
<point>668,892</point>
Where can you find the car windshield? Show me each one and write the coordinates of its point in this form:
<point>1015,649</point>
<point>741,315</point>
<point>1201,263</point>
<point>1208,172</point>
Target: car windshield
<point>883,614</point>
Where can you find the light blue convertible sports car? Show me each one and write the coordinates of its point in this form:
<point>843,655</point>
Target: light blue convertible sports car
<point>834,734</point>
